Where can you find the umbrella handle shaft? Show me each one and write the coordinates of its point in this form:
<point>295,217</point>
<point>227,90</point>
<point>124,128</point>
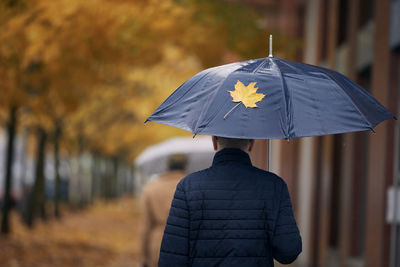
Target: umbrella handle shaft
<point>270,46</point>
<point>269,154</point>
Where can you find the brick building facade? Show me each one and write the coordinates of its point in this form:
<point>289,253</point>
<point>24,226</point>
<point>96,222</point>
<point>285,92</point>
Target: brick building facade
<point>339,184</point>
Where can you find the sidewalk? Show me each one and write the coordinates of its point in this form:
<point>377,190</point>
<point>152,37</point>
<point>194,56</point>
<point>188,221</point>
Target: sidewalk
<point>104,235</point>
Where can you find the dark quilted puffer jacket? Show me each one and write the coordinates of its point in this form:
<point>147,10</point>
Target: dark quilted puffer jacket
<point>231,214</point>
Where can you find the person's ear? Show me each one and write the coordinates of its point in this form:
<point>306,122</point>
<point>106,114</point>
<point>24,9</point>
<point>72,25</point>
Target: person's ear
<point>215,143</point>
<point>251,145</point>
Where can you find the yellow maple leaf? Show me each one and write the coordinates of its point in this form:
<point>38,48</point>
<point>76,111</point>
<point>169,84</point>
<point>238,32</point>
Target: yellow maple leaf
<point>246,94</point>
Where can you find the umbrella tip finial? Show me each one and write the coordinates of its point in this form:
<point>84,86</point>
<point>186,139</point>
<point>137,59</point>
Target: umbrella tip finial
<point>270,46</point>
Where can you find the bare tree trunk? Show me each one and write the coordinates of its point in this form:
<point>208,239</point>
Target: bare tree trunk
<point>104,178</point>
<point>38,193</point>
<point>132,188</point>
<point>57,135</point>
<point>115,177</point>
<point>24,160</point>
<point>11,130</point>
<point>24,188</point>
<point>96,177</point>
<point>81,203</point>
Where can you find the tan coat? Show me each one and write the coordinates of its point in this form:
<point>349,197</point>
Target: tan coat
<point>156,202</point>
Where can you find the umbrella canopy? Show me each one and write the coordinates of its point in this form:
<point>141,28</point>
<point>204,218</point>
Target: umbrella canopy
<point>270,98</point>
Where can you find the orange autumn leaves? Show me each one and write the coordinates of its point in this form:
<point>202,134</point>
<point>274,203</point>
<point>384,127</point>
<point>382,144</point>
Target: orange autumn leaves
<point>100,67</point>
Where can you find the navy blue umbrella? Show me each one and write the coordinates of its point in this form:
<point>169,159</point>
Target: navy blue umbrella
<point>270,98</point>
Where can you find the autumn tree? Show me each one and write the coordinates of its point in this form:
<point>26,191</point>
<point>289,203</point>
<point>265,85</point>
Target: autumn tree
<point>89,72</point>
<point>11,100</point>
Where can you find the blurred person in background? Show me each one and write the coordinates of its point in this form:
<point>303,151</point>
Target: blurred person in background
<point>156,201</point>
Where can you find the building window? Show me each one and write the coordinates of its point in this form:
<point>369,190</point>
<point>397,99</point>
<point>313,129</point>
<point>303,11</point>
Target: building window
<point>323,51</point>
<point>342,21</point>
<point>366,9</point>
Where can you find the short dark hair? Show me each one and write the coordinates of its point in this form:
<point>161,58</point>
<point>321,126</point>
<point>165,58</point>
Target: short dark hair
<point>177,162</point>
<point>226,142</point>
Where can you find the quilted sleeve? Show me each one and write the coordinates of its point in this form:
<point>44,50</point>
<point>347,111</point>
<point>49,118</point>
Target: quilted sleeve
<point>286,242</point>
<point>175,243</point>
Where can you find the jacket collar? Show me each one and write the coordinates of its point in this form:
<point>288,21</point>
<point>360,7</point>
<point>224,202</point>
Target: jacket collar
<point>231,155</point>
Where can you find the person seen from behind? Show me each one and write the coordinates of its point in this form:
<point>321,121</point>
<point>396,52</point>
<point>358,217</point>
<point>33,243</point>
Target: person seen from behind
<point>156,201</point>
<point>231,214</point>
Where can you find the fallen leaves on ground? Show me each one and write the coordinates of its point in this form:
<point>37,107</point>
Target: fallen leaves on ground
<point>106,234</point>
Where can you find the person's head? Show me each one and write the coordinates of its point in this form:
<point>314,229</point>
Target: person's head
<point>177,162</point>
<point>223,142</point>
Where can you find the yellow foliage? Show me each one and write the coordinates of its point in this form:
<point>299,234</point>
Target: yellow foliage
<point>100,67</point>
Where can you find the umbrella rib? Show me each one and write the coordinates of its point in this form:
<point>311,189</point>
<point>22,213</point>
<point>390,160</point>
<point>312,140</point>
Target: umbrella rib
<point>351,100</point>
<point>288,115</point>
<point>262,63</point>
<point>212,118</point>
<point>179,98</point>
<point>235,66</point>
<point>295,69</point>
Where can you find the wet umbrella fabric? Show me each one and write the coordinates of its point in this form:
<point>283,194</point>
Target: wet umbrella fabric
<point>293,100</point>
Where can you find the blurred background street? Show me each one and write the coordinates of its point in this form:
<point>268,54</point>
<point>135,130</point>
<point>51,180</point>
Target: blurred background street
<point>103,235</point>
<point>79,78</point>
